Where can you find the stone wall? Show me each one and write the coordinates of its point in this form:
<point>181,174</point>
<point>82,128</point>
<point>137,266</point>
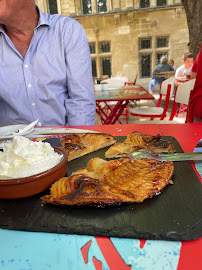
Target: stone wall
<point>124,25</point>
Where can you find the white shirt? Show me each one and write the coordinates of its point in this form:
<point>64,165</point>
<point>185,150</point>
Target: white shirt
<point>182,71</point>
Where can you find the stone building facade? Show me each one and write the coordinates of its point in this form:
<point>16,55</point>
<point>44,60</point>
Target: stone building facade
<point>128,37</point>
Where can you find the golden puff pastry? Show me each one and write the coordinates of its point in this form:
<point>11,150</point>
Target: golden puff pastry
<point>111,182</point>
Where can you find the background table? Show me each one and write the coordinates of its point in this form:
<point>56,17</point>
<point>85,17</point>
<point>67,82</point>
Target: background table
<point>110,114</point>
<point>40,251</point>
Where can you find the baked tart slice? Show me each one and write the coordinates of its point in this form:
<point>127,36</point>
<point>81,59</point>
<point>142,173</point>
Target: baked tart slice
<point>137,141</point>
<point>78,145</point>
<point>112,182</point>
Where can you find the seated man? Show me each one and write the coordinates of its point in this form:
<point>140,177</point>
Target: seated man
<point>184,70</point>
<point>45,68</point>
<point>163,66</point>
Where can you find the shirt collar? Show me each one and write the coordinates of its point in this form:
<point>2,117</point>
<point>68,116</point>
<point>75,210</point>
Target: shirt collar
<point>2,28</point>
<point>43,19</point>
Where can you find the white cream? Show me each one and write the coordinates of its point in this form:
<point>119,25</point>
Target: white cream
<point>23,158</point>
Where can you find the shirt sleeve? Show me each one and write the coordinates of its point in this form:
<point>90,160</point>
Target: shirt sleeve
<point>179,72</point>
<point>80,101</point>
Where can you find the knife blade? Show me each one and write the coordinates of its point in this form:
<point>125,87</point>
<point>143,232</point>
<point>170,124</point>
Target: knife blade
<point>144,153</point>
<point>181,156</point>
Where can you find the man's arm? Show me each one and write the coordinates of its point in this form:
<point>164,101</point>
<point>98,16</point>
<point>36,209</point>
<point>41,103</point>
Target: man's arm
<point>80,101</point>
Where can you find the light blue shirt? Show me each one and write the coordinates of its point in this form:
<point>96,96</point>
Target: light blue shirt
<point>53,82</point>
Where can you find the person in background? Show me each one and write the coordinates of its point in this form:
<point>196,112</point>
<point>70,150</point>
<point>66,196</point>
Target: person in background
<point>45,68</point>
<point>163,66</point>
<point>185,69</point>
<point>188,46</point>
<point>195,105</point>
<point>171,63</point>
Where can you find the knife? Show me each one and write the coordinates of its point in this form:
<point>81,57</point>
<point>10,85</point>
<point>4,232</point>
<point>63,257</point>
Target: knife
<point>144,153</point>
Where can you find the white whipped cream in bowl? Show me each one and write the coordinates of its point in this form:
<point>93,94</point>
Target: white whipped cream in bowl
<point>23,158</point>
<point>25,164</point>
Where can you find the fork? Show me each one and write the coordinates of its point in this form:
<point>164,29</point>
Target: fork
<point>145,153</point>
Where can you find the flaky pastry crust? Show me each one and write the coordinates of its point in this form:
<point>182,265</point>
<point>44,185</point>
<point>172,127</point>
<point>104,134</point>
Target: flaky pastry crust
<point>137,141</point>
<point>112,182</point>
<point>77,145</point>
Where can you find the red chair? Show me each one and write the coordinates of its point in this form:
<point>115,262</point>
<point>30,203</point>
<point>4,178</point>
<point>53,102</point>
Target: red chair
<point>128,83</point>
<point>182,96</point>
<point>157,112</point>
<point>182,109</point>
<point>131,83</point>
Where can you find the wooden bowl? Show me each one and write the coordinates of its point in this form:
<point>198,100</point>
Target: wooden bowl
<point>31,185</point>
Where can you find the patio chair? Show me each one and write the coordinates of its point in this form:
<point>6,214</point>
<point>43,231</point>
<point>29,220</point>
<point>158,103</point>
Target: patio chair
<point>157,112</point>
<point>182,96</point>
<point>165,74</point>
<point>116,82</point>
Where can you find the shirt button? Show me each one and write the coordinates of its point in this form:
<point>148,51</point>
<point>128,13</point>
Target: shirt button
<point>39,124</point>
<point>33,104</point>
<point>26,66</point>
<point>29,85</point>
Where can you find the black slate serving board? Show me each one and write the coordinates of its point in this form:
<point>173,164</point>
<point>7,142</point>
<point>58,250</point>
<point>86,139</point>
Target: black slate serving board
<point>173,215</point>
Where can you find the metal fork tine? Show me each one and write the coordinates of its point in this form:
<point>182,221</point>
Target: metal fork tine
<point>144,153</point>
<point>154,155</point>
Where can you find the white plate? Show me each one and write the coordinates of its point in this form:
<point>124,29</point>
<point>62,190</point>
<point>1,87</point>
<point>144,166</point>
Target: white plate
<point>12,128</point>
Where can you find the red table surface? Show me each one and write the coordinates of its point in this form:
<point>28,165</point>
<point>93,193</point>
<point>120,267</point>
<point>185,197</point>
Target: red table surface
<point>187,135</point>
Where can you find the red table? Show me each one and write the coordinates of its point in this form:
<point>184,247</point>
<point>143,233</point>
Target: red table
<point>190,253</point>
<point>187,135</point>
<point>110,114</point>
